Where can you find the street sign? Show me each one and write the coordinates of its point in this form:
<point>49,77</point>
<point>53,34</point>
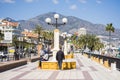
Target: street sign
<point>7,36</point>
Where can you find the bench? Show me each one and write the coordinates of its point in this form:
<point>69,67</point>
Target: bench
<point>67,64</point>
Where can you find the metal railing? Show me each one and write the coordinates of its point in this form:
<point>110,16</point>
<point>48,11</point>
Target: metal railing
<point>110,60</point>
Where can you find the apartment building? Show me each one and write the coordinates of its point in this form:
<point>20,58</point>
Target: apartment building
<point>9,29</point>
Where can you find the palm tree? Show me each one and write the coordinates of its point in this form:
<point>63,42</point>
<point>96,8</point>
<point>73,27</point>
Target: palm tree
<point>99,46</point>
<point>39,31</point>
<point>84,41</point>
<point>74,38</point>
<point>90,41</point>
<point>49,36</point>
<point>94,42</point>
<point>110,29</point>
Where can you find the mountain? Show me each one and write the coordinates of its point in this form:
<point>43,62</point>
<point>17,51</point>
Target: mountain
<point>72,26</point>
<point>10,19</point>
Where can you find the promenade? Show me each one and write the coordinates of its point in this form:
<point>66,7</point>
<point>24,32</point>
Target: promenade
<point>86,69</point>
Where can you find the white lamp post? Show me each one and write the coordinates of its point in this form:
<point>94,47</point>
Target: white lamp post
<point>65,43</point>
<point>56,32</point>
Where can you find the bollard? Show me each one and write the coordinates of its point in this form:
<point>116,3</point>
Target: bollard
<point>106,64</point>
<point>101,61</point>
<point>97,60</point>
<point>113,66</point>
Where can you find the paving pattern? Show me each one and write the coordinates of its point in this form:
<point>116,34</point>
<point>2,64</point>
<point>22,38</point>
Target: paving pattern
<point>86,70</point>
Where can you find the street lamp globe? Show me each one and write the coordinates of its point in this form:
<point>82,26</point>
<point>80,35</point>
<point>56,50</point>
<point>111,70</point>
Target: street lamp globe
<point>48,20</point>
<point>56,16</point>
<point>64,20</point>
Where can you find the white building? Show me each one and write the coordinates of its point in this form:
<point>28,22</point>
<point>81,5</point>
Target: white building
<point>82,31</point>
<point>10,29</point>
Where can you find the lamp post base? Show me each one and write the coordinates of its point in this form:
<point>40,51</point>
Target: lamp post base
<point>54,54</point>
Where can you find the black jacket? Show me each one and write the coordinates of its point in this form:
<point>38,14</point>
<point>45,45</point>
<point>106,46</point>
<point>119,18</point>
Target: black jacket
<point>60,55</point>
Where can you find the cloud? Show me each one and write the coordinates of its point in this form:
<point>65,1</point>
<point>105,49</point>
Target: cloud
<point>29,1</point>
<point>83,1</point>
<point>7,1</point>
<point>73,7</point>
<point>55,1</point>
<point>98,1</point>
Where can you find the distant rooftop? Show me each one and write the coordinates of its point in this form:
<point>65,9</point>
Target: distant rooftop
<point>8,23</point>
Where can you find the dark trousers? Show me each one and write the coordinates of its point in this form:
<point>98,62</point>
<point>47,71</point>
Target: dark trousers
<point>60,64</point>
<point>40,62</point>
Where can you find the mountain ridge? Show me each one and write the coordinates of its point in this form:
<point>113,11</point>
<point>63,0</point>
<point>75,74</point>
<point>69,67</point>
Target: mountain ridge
<point>72,26</point>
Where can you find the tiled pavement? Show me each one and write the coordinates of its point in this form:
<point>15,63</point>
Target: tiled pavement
<point>86,70</point>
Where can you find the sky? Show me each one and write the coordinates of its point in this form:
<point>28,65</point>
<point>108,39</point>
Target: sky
<point>95,11</point>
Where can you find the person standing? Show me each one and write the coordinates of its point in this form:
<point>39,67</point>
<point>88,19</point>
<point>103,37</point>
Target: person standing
<point>59,57</point>
<point>16,55</point>
<point>42,53</point>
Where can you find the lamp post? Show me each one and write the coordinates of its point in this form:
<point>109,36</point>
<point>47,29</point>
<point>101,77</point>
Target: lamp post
<point>64,35</point>
<point>56,31</point>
